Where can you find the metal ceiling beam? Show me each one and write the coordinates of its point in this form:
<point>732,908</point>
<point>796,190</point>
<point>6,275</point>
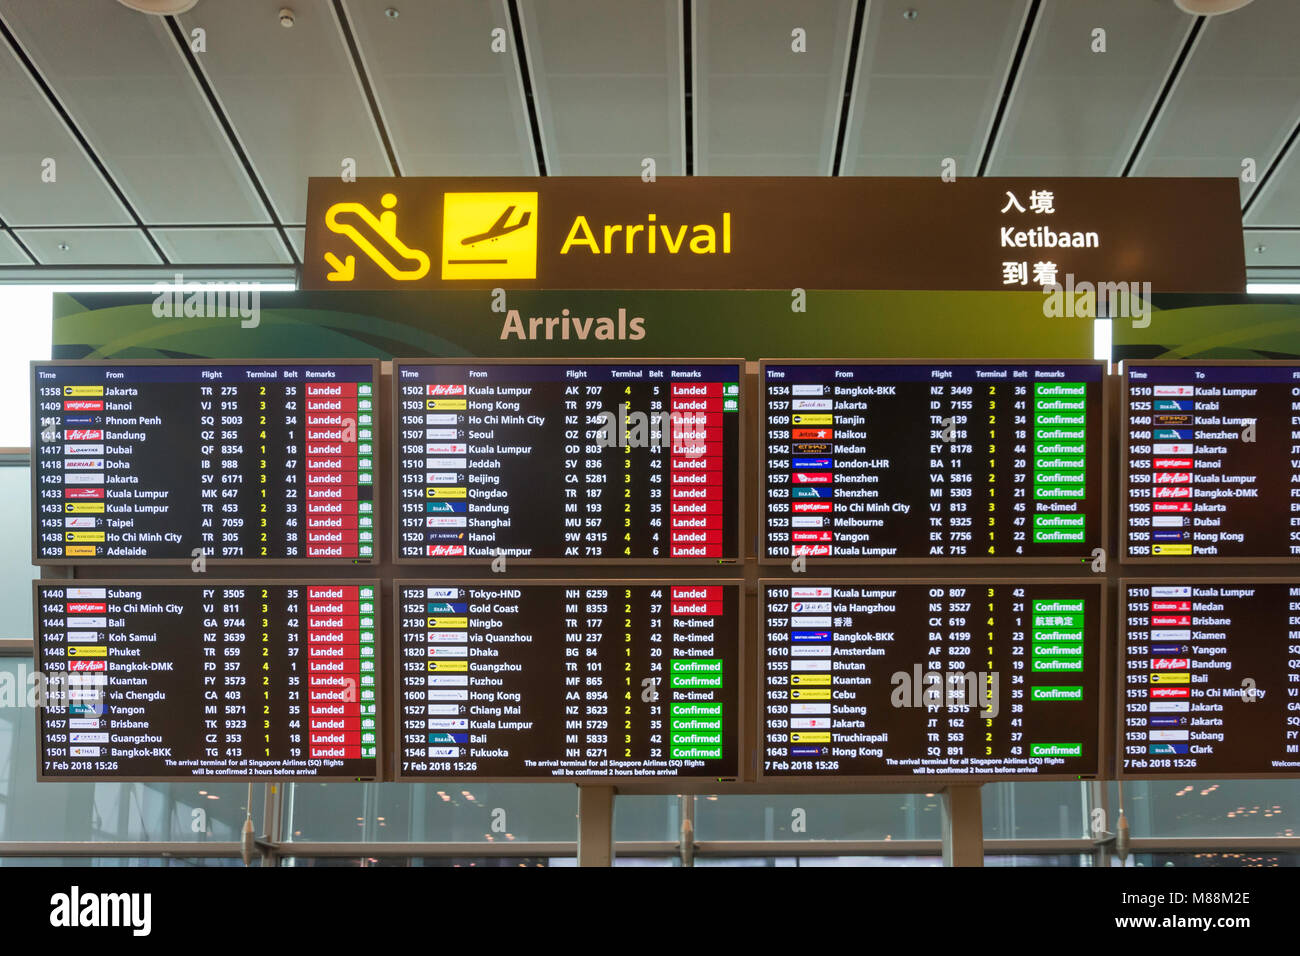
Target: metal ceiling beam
<point>1273,166</point>
<point>849,87</point>
<point>48,92</point>
<point>526,80</point>
<point>1171,81</point>
<point>201,80</point>
<point>363,78</point>
<point>1027,28</point>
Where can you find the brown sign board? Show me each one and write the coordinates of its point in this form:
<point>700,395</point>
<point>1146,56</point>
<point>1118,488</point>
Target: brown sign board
<point>1167,235</point>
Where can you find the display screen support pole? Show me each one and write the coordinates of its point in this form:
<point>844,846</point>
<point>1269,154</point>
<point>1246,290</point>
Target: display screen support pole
<point>595,826</point>
<point>963,826</point>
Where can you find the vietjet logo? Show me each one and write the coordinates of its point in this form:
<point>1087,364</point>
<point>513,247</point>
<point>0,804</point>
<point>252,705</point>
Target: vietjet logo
<point>489,235</point>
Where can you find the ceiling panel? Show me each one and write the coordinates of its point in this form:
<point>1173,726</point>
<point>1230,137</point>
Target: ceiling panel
<point>10,253</point>
<point>1272,248</point>
<point>761,107</point>
<point>1278,201</point>
<point>89,247</point>
<point>436,79</point>
<point>607,83</point>
<point>298,237</point>
<point>219,246</point>
<point>1074,112</point>
<point>30,131</point>
<point>292,95</point>
<point>1238,96</point>
<point>927,88</point>
<point>123,81</point>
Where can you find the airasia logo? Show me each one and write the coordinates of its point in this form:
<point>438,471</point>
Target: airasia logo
<point>1170,664</point>
<point>445,390</point>
<point>445,551</point>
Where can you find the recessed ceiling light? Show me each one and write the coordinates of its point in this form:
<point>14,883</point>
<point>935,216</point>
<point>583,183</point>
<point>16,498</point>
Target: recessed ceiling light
<point>392,13</point>
<point>64,247</point>
<point>911,13</point>
<point>287,17</point>
<point>1260,248</point>
<point>1209,8</point>
<point>160,8</point>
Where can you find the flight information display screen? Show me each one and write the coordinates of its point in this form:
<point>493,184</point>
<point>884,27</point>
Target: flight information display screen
<point>930,462</point>
<point>1211,461</point>
<point>1210,678</point>
<point>161,462</point>
<point>572,680</point>
<point>886,678</point>
<point>154,680</point>
<point>556,461</point>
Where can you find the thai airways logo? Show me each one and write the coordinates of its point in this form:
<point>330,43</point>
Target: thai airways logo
<point>489,235</point>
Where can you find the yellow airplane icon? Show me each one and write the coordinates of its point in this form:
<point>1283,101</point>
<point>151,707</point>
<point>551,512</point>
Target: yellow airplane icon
<point>384,227</point>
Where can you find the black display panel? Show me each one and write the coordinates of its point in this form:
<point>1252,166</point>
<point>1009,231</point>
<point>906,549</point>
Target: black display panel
<point>507,458</point>
<point>157,462</point>
<point>1211,466</point>
<point>939,678</point>
<point>237,680</point>
<point>904,461</point>
<point>564,681</point>
<point>1209,678</point>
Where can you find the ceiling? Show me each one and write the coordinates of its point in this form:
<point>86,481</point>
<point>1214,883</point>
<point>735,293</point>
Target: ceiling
<point>165,155</point>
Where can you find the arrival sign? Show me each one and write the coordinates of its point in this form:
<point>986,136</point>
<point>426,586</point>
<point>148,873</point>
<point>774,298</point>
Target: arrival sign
<point>1163,235</point>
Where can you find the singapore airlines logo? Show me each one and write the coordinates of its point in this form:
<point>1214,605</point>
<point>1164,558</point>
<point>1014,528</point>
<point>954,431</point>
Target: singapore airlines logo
<point>489,236</point>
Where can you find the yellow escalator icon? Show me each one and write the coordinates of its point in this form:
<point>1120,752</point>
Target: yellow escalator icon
<point>384,228</point>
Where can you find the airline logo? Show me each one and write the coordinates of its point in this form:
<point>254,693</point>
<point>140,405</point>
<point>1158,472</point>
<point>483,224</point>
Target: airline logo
<point>83,434</point>
<point>807,521</point>
<point>810,507</point>
<point>489,235</point>
<point>83,464</point>
<point>1179,507</point>
<point>445,507</point>
<point>1172,405</point>
<point>815,737</point>
<point>78,420</point>
<point>1182,491</point>
<point>80,522</point>
<point>813,447</point>
<point>805,592</point>
<point>83,666</point>
<point>1169,706</point>
<point>1167,692</point>
<point>1170,664</point>
<point>79,593</point>
<point>443,449</point>
<point>1171,549</point>
<point>810,536</point>
<point>444,493</point>
<point>83,405</point>
<point>444,405</point>
<point>1163,433</point>
<point>86,607</point>
<point>812,550</point>
<point>812,419</point>
<point>83,448</point>
<point>1168,521</point>
<point>444,390</point>
<point>810,463</point>
<point>1172,448</point>
<point>810,493</point>
<point>807,390</point>
<point>1172,678</point>
<point>1168,748</point>
<point>814,637</point>
<point>74,494</point>
<point>434,594</point>
<point>812,477</point>
<point>1172,477</point>
<point>445,551</point>
<point>78,391</point>
<point>1167,734</point>
<point>1171,591</point>
<point>811,434</point>
<point>810,708</point>
<point>1173,391</point>
<point>810,607</point>
<point>811,404</point>
<point>445,521</point>
<point>1169,650</point>
<point>1173,463</point>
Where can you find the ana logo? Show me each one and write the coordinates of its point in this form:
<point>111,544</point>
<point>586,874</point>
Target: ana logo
<point>489,236</point>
